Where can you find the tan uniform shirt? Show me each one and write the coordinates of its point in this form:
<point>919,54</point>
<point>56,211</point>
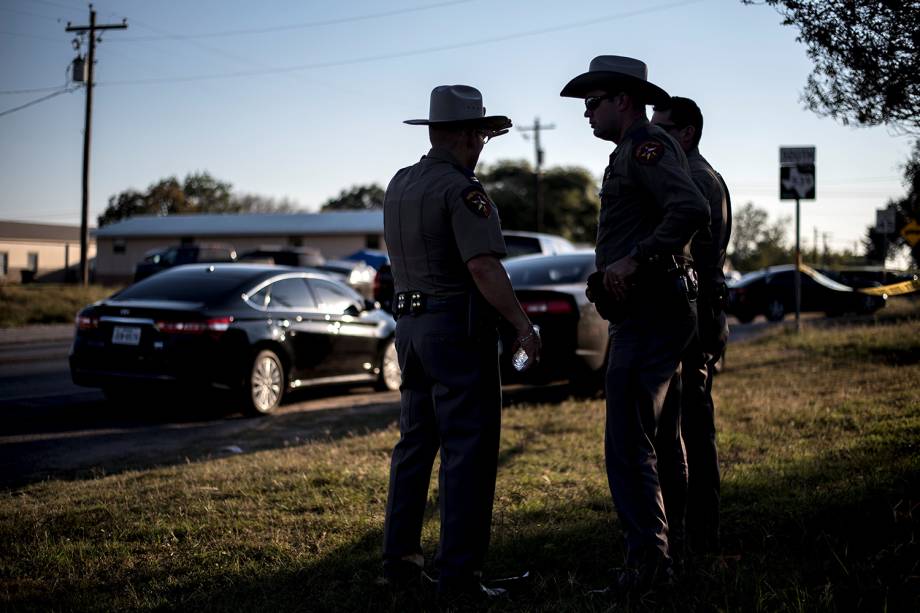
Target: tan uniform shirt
<point>709,247</point>
<point>649,204</point>
<point>436,217</point>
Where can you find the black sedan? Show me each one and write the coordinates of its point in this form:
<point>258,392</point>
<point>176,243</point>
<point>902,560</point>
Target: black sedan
<point>255,330</point>
<point>551,289</point>
<point>771,292</point>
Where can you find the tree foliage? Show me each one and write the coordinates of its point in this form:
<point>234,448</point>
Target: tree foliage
<point>755,242</point>
<point>198,193</point>
<point>570,201</point>
<point>907,209</point>
<point>358,198</point>
<point>866,56</point>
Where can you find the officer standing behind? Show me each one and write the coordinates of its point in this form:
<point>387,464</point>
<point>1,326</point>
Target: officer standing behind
<point>650,210</point>
<point>682,119</point>
<point>444,239</point>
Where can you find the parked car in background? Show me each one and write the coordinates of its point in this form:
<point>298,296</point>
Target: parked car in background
<point>372,257</point>
<point>516,244</point>
<point>283,256</point>
<point>254,330</point>
<point>160,259</point>
<point>356,273</point>
<point>527,243</point>
<point>771,292</point>
<point>551,289</point>
<point>866,276</point>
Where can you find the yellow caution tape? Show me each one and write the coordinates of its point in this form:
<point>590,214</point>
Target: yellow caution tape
<point>895,289</point>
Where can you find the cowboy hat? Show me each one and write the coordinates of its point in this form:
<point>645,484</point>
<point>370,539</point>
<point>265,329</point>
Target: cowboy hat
<point>608,72</point>
<point>459,104</point>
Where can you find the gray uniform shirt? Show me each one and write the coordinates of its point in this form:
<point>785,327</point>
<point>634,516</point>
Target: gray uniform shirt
<point>708,248</point>
<point>436,217</point>
<point>649,204</point>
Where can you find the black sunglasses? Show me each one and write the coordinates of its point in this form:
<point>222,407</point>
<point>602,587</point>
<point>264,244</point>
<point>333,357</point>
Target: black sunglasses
<point>592,102</point>
<point>668,126</point>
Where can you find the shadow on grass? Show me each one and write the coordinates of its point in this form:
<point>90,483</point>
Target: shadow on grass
<point>810,539</point>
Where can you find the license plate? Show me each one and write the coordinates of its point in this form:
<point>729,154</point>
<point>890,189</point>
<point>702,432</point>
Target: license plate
<point>126,335</point>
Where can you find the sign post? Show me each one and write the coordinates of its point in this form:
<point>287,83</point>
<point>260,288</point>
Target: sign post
<point>797,182</point>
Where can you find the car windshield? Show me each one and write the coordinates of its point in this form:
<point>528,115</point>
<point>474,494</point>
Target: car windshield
<point>551,270</point>
<point>187,286</point>
<point>521,245</point>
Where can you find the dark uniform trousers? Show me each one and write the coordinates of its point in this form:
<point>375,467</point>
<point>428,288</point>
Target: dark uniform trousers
<point>451,400</point>
<point>698,426</point>
<point>645,352</point>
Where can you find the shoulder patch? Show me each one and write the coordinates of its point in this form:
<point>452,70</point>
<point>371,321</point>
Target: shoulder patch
<point>476,200</point>
<point>649,152</point>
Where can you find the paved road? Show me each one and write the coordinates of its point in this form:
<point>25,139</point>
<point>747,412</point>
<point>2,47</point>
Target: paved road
<point>51,428</point>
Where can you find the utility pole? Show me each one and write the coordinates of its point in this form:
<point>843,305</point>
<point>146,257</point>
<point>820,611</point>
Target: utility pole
<point>538,157</point>
<point>92,28</point>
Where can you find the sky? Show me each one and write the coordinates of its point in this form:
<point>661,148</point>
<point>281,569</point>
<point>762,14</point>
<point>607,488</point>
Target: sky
<point>299,100</point>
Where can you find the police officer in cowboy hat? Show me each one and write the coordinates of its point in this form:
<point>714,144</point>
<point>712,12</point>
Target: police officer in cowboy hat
<point>445,242</point>
<point>650,209</point>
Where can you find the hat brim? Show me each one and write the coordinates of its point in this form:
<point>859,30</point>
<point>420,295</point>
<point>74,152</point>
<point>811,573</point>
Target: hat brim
<point>492,122</point>
<point>583,84</point>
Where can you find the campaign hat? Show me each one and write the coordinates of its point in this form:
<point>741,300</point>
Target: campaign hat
<point>459,105</point>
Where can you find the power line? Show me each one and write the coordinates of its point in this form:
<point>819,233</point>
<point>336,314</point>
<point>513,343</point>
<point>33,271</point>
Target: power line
<point>297,26</point>
<point>28,14</point>
<point>36,90</point>
<point>42,99</point>
<point>402,54</point>
<point>36,37</point>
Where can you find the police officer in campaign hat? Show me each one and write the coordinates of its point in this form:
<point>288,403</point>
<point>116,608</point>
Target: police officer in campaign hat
<point>444,239</point>
<point>650,209</point>
<point>683,120</point>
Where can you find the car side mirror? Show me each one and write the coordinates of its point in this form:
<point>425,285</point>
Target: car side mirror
<point>352,310</point>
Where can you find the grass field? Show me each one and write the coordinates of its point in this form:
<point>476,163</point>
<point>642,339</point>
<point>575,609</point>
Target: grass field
<point>820,444</point>
<point>46,303</point>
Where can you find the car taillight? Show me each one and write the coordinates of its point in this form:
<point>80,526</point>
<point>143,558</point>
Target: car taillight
<point>548,306</point>
<point>85,322</point>
<point>214,325</point>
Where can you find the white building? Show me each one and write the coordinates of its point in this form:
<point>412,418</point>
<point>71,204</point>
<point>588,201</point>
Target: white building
<point>43,252</point>
<point>121,245</point>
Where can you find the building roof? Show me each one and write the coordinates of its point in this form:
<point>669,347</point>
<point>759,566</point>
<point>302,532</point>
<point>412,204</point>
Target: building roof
<point>251,224</point>
<point>18,230</point>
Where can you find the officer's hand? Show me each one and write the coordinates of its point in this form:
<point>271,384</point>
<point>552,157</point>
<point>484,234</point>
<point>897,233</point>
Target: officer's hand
<point>530,342</point>
<point>618,274</point>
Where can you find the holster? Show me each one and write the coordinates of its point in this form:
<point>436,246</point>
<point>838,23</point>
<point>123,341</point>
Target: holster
<point>606,305</point>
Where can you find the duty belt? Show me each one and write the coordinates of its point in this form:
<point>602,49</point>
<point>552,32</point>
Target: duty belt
<point>415,303</point>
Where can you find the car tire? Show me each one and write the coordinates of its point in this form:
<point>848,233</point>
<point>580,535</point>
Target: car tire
<point>390,375</point>
<point>775,310</point>
<point>868,305</point>
<point>265,384</point>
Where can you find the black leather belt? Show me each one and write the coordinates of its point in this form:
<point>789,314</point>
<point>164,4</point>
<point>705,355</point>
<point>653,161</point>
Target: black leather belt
<point>415,303</point>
